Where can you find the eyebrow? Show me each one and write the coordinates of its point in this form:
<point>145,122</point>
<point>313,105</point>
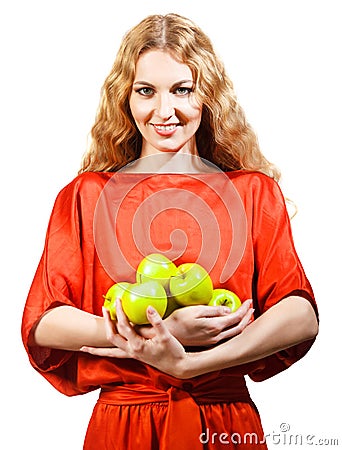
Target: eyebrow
<point>178,83</point>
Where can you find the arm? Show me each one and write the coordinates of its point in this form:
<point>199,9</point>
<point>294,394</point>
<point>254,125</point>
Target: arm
<point>287,323</point>
<point>68,328</point>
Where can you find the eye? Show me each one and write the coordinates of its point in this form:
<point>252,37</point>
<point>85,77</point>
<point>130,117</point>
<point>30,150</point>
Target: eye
<point>183,90</point>
<point>145,91</point>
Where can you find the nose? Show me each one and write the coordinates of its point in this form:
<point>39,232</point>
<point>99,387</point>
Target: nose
<point>165,107</point>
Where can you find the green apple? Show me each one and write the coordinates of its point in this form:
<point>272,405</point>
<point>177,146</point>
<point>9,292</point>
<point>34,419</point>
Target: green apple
<point>156,267</point>
<point>225,298</point>
<point>114,292</point>
<point>192,285</point>
<point>138,296</point>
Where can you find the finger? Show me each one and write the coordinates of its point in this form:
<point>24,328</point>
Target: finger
<point>213,311</point>
<point>112,334</point>
<point>124,327</point>
<point>105,351</point>
<point>246,320</point>
<point>120,314</point>
<point>134,342</point>
<point>233,331</point>
<point>109,325</point>
<point>239,314</point>
<point>221,310</point>
<point>247,304</point>
<point>231,319</point>
<point>157,323</point>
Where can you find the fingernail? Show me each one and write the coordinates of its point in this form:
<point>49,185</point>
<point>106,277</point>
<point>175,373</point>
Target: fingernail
<point>151,310</point>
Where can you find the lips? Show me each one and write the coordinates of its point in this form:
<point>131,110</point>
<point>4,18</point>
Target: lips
<point>165,127</point>
<point>165,130</point>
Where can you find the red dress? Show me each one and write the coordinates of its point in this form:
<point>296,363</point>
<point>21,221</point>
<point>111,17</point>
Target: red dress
<point>236,225</point>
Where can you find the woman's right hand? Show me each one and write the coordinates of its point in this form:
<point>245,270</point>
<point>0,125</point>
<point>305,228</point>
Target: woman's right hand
<point>162,351</point>
<point>203,325</point>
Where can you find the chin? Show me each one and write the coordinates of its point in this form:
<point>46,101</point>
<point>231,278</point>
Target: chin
<point>157,149</point>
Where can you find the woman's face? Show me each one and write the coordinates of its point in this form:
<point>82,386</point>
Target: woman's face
<point>163,104</point>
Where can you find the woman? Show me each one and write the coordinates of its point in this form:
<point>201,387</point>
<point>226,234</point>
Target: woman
<point>178,383</point>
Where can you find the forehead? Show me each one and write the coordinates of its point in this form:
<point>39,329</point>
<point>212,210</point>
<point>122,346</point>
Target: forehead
<point>159,65</point>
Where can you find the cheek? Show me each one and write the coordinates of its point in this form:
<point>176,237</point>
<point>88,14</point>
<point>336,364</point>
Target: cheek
<point>138,110</point>
<point>194,109</point>
<point>195,114</point>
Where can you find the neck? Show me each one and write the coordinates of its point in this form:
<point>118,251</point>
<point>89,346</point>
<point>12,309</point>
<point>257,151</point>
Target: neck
<point>184,160</point>
<point>170,162</point>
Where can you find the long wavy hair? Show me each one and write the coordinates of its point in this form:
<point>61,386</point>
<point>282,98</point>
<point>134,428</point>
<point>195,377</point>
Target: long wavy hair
<point>224,137</point>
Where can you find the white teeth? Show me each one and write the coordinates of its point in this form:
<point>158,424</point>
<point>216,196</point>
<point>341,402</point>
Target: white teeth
<point>165,127</point>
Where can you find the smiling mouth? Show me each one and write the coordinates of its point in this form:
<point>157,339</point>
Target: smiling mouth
<point>170,127</point>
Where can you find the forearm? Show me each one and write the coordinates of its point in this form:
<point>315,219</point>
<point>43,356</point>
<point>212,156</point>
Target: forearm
<point>288,323</point>
<point>68,328</point>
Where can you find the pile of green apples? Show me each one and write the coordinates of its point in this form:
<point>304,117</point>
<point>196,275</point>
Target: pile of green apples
<point>166,287</point>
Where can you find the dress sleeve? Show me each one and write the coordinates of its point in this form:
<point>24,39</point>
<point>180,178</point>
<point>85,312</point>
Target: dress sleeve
<point>278,272</point>
<point>58,281</point>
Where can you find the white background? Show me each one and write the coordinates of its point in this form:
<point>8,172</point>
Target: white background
<point>284,59</point>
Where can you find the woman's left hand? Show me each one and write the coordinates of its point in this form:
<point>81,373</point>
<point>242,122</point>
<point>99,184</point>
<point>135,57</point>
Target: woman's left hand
<point>162,351</point>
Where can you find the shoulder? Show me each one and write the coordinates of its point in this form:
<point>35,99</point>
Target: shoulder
<point>255,184</point>
<point>260,194</point>
<point>247,178</point>
<point>83,190</point>
<point>87,183</point>
<point>90,180</point>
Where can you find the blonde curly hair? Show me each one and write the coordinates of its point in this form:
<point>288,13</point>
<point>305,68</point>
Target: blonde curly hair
<point>224,137</point>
